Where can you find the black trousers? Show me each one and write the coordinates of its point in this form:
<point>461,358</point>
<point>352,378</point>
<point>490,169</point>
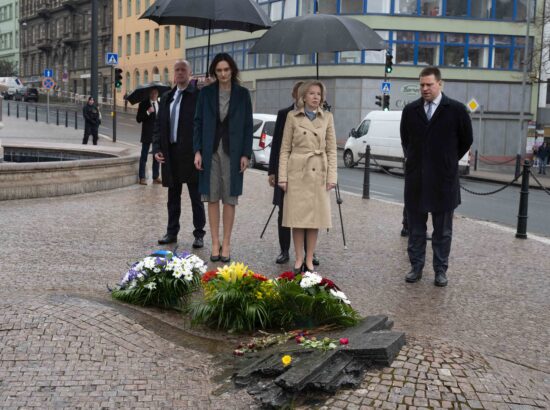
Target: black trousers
<point>174,209</point>
<point>284,232</point>
<point>90,130</point>
<point>441,239</point>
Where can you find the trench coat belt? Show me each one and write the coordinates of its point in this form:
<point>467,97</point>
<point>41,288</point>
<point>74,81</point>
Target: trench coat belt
<point>310,154</point>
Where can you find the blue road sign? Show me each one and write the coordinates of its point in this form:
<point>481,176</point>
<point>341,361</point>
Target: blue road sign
<point>111,59</point>
<point>385,87</point>
<point>48,72</point>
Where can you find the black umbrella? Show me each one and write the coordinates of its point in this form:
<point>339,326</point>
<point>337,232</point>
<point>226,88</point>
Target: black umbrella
<point>141,93</point>
<point>244,15</point>
<point>318,33</point>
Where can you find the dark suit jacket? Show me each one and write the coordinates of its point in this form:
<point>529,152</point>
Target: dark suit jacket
<point>433,149</point>
<point>276,151</point>
<point>179,166</point>
<point>147,121</point>
<point>240,133</point>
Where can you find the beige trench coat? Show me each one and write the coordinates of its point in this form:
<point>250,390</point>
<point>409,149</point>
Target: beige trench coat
<point>307,163</point>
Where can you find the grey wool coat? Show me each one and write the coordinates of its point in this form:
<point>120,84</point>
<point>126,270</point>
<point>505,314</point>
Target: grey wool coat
<point>307,163</point>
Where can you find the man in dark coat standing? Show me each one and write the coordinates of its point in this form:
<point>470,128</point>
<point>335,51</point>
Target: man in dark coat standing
<point>273,177</point>
<point>173,148</point>
<point>92,120</point>
<point>146,115</point>
<point>436,132</point>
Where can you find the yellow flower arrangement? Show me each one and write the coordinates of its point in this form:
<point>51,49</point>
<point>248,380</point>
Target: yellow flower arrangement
<point>233,272</point>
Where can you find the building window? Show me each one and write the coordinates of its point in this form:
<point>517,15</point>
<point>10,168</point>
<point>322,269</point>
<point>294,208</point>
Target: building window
<point>352,6</point>
<point>404,47</point>
<point>177,39</point>
<point>129,8</point>
<point>128,44</point>
<point>430,8</point>
<point>119,9</point>
<point>119,45</point>
<point>138,7</point>
<point>166,77</point>
<point>428,49</point>
<point>136,79</point>
<point>502,52</point>
<point>145,77</point>
<point>478,51</point>
<point>127,81</point>
<point>137,47</point>
<point>157,39</point>
<point>146,45</point>
<point>504,9</point>
<point>405,7</point>
<point>327,7</point>
<point>453,50</point>
<point>167,38</point>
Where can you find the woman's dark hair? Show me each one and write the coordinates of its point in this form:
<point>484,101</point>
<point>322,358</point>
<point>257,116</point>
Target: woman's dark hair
<point>232,65</point>
<point>90,98</point>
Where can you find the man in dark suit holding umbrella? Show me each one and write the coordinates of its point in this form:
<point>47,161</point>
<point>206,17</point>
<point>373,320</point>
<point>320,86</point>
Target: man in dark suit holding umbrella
<point>146,115</point>
<point>436,132</point>
<point>273,171</point>
<point>173,148</point>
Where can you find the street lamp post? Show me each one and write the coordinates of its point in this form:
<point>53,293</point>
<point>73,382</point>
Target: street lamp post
<point>521,145</point>
<point>93,69</point>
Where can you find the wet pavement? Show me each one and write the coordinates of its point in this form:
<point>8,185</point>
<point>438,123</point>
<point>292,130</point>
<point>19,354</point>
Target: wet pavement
<point>482,342</point>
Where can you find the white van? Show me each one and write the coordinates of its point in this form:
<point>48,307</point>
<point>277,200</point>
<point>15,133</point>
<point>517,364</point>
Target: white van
<point>380,130</point>
<point>13,85</point>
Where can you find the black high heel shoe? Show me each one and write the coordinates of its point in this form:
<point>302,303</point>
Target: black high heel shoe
<point>300,270</point>
<point>216,258</point>
<point>224,259</point>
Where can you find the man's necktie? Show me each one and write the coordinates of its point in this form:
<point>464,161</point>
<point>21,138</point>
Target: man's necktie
<point>429,112</point>
<point>173,125</point>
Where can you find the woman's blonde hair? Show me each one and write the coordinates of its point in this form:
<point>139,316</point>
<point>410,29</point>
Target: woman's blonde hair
<point>302,91</point>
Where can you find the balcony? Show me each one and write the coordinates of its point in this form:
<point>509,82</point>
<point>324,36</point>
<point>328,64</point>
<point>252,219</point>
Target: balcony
<point>44,44</point>
<point>43,11</point>
<point>70,4</point>
<point>71,39</point>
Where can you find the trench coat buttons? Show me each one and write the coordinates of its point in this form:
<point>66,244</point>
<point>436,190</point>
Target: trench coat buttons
<point>313,169</point>
<point>304,133</point>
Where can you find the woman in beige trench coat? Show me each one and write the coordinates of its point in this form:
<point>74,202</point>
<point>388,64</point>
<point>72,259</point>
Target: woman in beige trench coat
<point>307,171</point>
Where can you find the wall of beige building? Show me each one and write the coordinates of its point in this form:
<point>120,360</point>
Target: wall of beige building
<point>147,51</point>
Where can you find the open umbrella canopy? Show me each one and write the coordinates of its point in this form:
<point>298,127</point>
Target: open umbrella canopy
<point>244,15</point>
<point>142,91</point>
<point>318,33</point>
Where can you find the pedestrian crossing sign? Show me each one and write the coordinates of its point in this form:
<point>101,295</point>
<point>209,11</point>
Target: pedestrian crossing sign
<point>385,87</point>
<point>111,58</point>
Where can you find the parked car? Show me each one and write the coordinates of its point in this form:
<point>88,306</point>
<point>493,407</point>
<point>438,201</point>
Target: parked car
<point>13,84</point>
<point>380,130</point>
<point>26,94</point>
<point>264,126</point>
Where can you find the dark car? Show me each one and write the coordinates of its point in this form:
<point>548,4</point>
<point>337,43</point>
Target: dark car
<point>26,94</point>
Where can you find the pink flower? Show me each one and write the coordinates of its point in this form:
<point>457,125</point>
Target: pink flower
<point>344,341</point>
<point>300,339</point>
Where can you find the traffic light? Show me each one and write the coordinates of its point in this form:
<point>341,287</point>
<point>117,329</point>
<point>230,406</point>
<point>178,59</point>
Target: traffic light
<point>386,102</point>
<point>389,63</point>
<point>118,77</point>
<point>379,100</point>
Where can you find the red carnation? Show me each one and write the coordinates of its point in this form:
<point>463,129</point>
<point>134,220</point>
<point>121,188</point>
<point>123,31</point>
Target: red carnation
<point>259,277</point>
<point>208,276</point>
<point>287,275</point>
<point>328,284</point>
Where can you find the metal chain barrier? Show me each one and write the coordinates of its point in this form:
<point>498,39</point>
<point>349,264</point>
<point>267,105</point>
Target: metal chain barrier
<point>385,170</point>
<point>539,183</point>
<point>502,188</point>
<point>489,162</point>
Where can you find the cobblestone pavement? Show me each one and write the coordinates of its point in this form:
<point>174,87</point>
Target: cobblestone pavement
<point>482,342</point>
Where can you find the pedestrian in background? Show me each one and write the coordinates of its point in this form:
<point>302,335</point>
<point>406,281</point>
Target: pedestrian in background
<point>273,179</point>
<point>92,120</point>
<point>307,171</point>
<point>543,153</point>
<point>436,132</point>
<point>173,148</point>
<point>146,115</point>
<point>223,146</point>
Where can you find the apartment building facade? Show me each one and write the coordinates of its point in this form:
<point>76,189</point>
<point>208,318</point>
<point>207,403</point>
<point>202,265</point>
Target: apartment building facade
<point>9,32</point>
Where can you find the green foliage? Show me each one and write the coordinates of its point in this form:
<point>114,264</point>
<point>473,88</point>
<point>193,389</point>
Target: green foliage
<point>8,68</point>
<point>309,307</point>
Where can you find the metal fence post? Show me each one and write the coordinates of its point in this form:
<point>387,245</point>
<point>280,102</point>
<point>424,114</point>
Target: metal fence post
<point>366,176</point>
<point>66,118</point>
<point>36,113</point>
<point>27,112</point>
<point>521,231</point>
<point>518,166</point>
<point>8,108</point>
<point>75,121</point>
<point>17,110</point>
<point>57,116</point>
<point>476,158</point>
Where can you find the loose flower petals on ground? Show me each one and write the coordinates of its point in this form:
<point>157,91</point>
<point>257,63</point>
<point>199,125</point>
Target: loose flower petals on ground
<point>344,341</point>
<point>286,360</point>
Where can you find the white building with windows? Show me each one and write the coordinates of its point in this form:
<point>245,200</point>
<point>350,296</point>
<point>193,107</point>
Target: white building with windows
<point>9,31</point>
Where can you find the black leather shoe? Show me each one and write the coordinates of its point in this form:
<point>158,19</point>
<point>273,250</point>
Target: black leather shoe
<point>440,279</point>
<point>413,276</point>
<point>198,243</point>
<point>315,260</point>
<point>404,232</point>
<point>225,259</point>
<point>166,239</point>
<point>215,258</point>
<point>282,258</point>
